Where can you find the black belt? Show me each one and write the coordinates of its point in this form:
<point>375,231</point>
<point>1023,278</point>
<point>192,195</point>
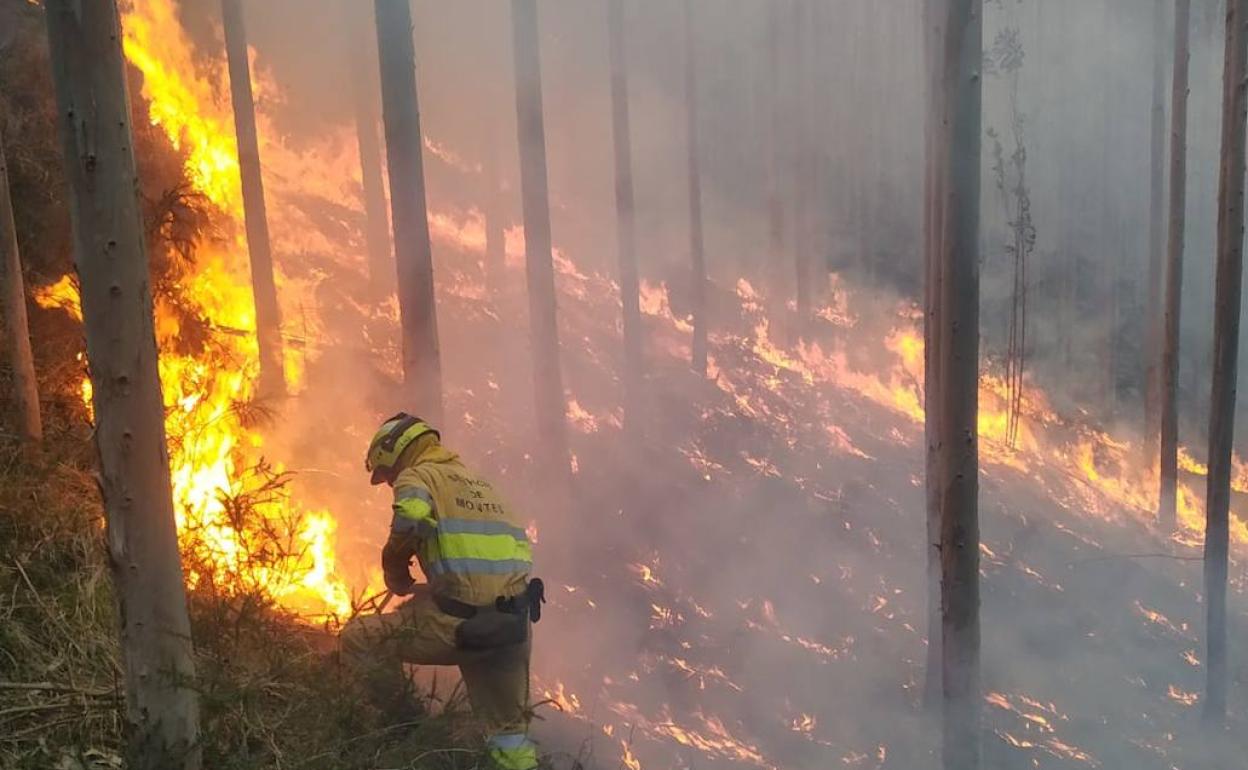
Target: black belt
<point>529,601</point>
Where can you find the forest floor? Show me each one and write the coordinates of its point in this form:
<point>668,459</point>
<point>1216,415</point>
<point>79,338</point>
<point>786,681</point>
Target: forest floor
<point>272,691</point>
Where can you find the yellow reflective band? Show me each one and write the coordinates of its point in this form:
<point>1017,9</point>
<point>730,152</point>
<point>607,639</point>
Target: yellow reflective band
<point>523,758</point>
<point>486,547</point>
<point>413,508</point>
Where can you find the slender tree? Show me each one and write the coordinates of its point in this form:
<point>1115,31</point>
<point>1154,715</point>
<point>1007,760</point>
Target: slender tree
<point>1227,302</point>
<point>413,253</point>
<point>361,51</point>
<point>933,182</point>
<point>1167,506</point>
<point>495,217</point>
<point>803,177</point>
<point>777,142</point>
<point>958,472</point>
<point>110,252</point>
<point>1156,233</point>
<point>1109,210</point>
<point>259,249</point>
<point>626,227</point>
<point>17,330</point>
<point>492,116</point>
<point>539,267</point>
<point>697,254</point>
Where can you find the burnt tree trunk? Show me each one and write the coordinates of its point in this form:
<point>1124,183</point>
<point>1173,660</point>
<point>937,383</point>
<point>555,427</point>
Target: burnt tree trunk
<point>933,182</point>
<point>362,51</point>
<point>1156,234</point>
<point>17,329</point>
<point>259,249</point>
<point>626,219</point>
<point>1225,356</point>
<point>961,96</point>
<point>697,253</point>
<point>413,254</point>
<point>539,267</point>
<point>1167,505</point>
<point>110,252</point>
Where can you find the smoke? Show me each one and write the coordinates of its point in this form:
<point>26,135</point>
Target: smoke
<point>744,583</point>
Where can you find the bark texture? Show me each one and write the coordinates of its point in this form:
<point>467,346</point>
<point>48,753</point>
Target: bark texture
<point>933,227</point>
<point>626,218</point>
<point>259,249</point>
<point>961,93</point>
<point>413,254</point>
<point>16,326</point>
<point>1167,505</point>
<point>539,267</point>
<point>697,252</point>
<point>1226,312</point>
<point>110,253</point>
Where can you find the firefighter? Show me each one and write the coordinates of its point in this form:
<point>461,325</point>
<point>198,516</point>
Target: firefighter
<point>475,610</point>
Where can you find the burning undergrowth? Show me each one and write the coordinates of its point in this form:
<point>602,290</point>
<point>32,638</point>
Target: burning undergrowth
<point>740,585</point>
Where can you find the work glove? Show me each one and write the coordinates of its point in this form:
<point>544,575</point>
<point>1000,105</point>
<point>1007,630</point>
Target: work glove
<point>395,560</point>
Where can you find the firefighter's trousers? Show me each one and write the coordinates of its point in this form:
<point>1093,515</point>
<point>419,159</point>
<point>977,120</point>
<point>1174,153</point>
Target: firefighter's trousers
<point>497,681</point>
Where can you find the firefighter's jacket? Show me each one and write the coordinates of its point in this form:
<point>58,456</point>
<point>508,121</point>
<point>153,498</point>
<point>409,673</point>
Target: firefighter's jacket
<point>471,546</point>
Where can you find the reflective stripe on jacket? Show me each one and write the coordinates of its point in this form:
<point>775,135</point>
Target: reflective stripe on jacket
<point>470,543</point>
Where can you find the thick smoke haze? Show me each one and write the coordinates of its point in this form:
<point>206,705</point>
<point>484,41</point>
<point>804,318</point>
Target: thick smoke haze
<point>744,585</point>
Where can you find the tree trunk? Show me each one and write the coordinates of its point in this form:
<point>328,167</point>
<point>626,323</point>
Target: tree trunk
<point>626,228</point>
<point>1225,356</point>
<point>539,267</point>
<point>697,255</point>
<point>1111,221</point>
<point>775,204</point>
<point>934,171</point>
<point>361,51</point>
<point>801,165</point>
<point>959,373</point>
<point>413,254</point>
<point>1156,233</point>
<point>495,223</point>
<point>268,313</point>
<point>17,330</point>
<point>111,256</point>
<point>1166,508</point>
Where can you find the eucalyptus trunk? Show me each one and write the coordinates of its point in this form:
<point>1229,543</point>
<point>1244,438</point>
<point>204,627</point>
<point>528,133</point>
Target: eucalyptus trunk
<point>495,221</point>
<point>776,141</point>
<point>933,227</point>
<point>697,254</point>
<point>1156,235</point>
<point>802,166</point>
<point>362,50</point>
<point>1167,505</point>
<point>259,249</point>
<point>958,463</point>
<point>413,253</point>
<point>626,216</point>
<point>539,267</point>
<point>1227,302</point>
<point>17,327</point>
<point>110,253</point>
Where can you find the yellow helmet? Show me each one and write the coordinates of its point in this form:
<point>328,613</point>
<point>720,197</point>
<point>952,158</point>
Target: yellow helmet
<point>393,437</point>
